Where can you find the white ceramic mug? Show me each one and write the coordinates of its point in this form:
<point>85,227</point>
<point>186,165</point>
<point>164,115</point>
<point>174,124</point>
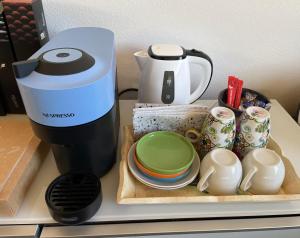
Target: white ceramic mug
<point>220,172</point>
<point>264,172</point>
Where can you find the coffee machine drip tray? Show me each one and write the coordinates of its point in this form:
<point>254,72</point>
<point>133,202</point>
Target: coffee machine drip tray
<point>74,198</point>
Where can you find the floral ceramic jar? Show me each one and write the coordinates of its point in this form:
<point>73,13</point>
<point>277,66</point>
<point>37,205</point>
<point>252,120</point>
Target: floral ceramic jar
<point>253,130</point>
<point>218,131</point>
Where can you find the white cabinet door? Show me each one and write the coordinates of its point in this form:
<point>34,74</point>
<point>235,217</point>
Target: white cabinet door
<point>289,233</point>
<point>284,227</point>
<point>18,231</point>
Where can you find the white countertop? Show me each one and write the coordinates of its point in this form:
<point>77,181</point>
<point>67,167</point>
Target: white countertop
<point>34,211</point>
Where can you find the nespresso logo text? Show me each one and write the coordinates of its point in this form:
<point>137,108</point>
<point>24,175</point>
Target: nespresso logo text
<point>61,115</point>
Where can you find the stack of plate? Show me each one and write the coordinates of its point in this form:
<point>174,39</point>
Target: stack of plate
<point>164,160</point>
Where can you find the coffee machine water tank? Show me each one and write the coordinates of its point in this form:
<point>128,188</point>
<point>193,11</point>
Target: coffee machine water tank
<point>69,91</point>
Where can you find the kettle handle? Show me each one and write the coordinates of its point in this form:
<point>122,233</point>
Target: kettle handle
<point>203,60</point>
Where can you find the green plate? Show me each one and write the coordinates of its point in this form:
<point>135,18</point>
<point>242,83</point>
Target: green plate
<point>165,152</point>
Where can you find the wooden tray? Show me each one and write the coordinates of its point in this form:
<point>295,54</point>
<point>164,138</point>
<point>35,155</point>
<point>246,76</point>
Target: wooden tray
<point>131,191</point>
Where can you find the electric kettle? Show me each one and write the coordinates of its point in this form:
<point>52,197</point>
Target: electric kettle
<point>166,75</point>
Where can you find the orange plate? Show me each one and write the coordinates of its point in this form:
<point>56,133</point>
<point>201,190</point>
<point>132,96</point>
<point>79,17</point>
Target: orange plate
<point>154,174</point>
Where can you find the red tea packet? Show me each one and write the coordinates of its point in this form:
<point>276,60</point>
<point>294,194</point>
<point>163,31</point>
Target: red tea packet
<point>238,94</point>
<point>232,84</point>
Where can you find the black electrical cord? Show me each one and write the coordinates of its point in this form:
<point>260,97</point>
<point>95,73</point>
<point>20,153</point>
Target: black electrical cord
<point>127,90</point>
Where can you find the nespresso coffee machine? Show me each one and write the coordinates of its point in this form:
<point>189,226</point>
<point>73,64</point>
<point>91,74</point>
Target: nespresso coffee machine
<point>69,90</point>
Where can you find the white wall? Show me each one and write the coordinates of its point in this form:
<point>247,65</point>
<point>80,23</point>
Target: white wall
<point>257,40</point>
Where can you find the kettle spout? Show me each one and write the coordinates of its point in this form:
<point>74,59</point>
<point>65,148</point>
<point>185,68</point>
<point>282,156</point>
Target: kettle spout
<point>141,58</point>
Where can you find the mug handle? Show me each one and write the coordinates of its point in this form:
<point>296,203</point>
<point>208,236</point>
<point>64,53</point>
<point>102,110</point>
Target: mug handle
<point>203,184</point>
<point>246,183</point>
<point>192,135</point>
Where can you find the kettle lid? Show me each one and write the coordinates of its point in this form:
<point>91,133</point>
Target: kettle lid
<point>167,52</point>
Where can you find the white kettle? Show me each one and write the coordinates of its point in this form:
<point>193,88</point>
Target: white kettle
<point>166,76</point>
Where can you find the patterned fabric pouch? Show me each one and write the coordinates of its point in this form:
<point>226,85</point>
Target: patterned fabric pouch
<point>178,118</point>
